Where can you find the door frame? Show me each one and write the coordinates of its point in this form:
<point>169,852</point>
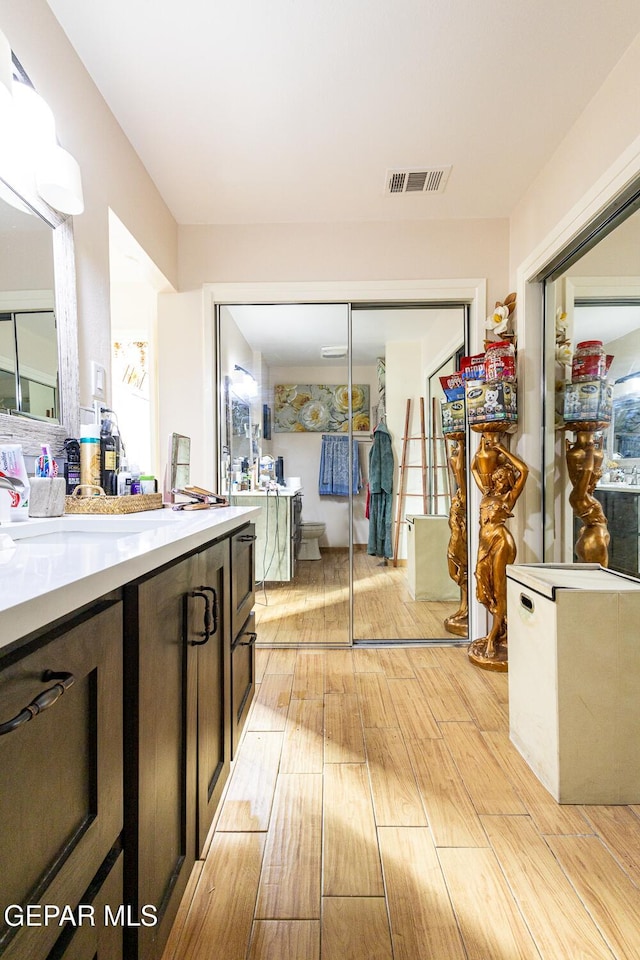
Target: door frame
<point>472,292</point>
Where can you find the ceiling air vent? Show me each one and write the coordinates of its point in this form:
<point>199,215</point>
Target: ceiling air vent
<point>417,181</point>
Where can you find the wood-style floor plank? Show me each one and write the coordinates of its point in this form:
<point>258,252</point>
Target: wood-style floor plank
<point>608,893</point>
<point>350,858</point>
<point>557,918</point>
<point>247,804</point>
<point>290,879</point>
<point>396,664</point>
<point>443,699</point>
<point>281,661</point>
<point>303,748</point>
<point>355,928</point>
<point>343,734</point>
<point>339,676</point>
<point>548,815</point>
<point>271,704</point>
<point>221,912</point>
<point>395,793</point>
<point>415,720</point>
<point>450,812</point>
<point>619,830</point>
<point>375,700</point>
<point>308,676</point>
<point>491,925</point>
<point>488,786</point>
<point>423,924</point>
<point>285,940</point>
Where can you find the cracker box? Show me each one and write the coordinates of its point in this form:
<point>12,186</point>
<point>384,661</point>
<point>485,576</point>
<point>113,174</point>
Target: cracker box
<point>453,419</point>
<point>491,401</point>
<point>588,400</point>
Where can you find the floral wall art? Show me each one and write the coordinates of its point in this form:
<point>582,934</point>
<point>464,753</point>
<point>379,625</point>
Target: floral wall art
<point>309,408</point>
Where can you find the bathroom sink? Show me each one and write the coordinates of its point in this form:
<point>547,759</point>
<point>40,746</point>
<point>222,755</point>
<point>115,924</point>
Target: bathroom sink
<point>88,529</point>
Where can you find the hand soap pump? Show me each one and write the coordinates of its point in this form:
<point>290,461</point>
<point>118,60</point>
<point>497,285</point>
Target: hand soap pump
<point>124,480</point>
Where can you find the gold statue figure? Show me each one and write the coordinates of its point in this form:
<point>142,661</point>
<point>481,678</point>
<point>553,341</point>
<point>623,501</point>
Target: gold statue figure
<point>457,549</point>
<point>584,465</point>
<point>501,477</point>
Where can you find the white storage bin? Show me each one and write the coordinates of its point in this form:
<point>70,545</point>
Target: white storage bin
<point>427,568</point>
<point>574,679</point>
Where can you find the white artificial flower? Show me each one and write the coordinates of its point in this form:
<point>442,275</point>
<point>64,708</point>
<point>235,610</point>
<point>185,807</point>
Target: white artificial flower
<point>498,320</point>
<point>561,325</point>
<point>563,352</point>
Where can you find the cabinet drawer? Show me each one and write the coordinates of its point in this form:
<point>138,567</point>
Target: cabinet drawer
<point>242,576</point>
<point>242,679</point>
<point>61,799</point>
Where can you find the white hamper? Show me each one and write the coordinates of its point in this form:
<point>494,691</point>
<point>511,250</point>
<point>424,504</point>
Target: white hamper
<point>574,679</point>
<point>427,568</point>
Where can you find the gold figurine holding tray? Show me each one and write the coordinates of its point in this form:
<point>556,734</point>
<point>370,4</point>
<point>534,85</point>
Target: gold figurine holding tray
<point>584,457</point>
<point>501,477</point>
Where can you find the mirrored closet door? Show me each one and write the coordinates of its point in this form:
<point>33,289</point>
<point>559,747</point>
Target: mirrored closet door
<point>330,422</point>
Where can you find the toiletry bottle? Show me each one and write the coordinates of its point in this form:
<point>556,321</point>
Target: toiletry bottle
<point>90,454</point>
<point>72,465</point>
<point>135,479</point>
<point>108,459</point>
<point>124,479</point>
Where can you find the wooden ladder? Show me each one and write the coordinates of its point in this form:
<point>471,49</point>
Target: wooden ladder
<point>403,469</point>
<point>437,438</point>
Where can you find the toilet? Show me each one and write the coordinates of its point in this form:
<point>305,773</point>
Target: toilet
<point>309,546</point>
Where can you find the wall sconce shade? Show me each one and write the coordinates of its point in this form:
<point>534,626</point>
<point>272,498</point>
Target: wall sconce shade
<point>244,382</point>
<point>59,182</point>
<point>6,67</point>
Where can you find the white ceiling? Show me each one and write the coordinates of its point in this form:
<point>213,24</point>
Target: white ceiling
<point>248,111</point>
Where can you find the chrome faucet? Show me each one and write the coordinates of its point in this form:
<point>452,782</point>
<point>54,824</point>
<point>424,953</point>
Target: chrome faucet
<point>10,483</point>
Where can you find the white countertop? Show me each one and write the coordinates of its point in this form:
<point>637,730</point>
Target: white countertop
<point>280,492</point>
<point>619,487</point>
<point>53,566</point>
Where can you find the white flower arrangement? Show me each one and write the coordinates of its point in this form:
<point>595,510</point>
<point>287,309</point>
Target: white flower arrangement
<point>564,348</point>
<point>497,323</point>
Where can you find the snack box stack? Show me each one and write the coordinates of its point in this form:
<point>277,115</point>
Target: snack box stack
<point>453,412</point>
<point>589,396</point>
<point>490,385</point>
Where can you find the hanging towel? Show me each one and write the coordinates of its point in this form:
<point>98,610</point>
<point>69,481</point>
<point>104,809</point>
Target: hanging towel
<point>381,468</point>
<point>333,480</point>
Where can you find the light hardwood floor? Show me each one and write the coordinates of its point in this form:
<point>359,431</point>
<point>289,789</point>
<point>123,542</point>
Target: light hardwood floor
<point>313,608</point>
<point>378,811</point>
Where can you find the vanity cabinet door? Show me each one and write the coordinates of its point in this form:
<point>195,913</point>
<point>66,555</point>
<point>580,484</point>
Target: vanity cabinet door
<point>213,688</point>
<point>243,583</point>
<point>243,668</point>
<point>99,941</point>
<point>61,805</point>
<point>160,760</point>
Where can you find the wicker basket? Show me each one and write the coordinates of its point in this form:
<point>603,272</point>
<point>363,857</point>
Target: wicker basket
<point>89,499</point>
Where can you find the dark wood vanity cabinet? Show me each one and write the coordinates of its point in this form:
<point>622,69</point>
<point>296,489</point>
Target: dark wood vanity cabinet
<point>61,802</point>
<point>177,689</point>
<point>243,635</point>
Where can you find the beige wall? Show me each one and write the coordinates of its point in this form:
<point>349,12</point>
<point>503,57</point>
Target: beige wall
<point>113,176</point>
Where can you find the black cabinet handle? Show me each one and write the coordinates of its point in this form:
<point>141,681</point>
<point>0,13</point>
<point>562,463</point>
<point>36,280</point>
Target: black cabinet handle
<point>250,642</point>
<point>206,633</point>
<point>247,538</point>
<point>42,702</point>
<point>213,622</point>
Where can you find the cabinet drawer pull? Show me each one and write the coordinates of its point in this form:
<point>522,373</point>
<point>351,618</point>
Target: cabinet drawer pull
<point>210,620</point>
<point>250,642</point>
<point>213,614</point>
<point>42,702</point>
<point>247,538</point>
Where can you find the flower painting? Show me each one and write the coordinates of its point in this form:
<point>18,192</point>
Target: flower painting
<point>304,408</point>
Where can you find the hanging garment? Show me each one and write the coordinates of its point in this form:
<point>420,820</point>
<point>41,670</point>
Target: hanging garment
<point>381,469</point>
<point>333,480</point>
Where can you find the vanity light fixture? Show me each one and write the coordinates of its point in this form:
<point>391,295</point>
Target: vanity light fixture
<point>6,69</point>
<point>31,159</point>
<point>333,353</point>
<point>244,382</point>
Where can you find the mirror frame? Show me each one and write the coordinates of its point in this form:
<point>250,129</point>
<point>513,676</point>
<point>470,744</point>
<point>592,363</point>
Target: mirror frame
<point>20,428</point>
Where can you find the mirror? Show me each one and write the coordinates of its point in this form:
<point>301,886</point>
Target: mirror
<point>597,297</point>
<point>28,338</point>
<point>39,343</point>
<point>323,578</point>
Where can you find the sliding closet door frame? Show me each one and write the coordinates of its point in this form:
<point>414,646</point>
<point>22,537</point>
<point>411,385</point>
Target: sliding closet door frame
<point>469,292</point>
